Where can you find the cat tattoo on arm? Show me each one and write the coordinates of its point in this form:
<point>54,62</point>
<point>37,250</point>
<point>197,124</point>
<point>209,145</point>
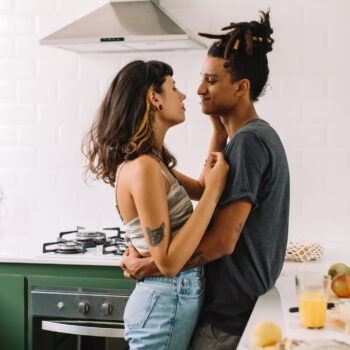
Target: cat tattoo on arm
<point>155,236</point>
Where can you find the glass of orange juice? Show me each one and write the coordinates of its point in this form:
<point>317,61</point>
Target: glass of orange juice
<point>312,291</point>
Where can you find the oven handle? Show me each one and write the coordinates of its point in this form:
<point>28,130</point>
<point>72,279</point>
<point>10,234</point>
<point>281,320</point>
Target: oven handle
<point>115,329</point>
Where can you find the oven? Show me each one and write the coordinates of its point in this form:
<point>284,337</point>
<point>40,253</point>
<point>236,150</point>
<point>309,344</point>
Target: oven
<point>78,318</point>
<point>85,313</point>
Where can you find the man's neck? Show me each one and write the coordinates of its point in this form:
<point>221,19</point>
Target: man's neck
<point>239,117</point>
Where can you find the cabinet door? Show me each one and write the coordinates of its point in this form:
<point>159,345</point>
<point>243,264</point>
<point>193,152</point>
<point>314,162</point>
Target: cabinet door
<point>12,312</point>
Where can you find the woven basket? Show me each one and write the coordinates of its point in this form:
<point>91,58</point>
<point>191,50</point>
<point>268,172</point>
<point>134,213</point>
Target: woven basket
<point>303,250</point>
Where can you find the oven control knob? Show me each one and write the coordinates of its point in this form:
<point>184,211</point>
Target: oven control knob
<point>83,307</point>
<point>106,308</point>
<point>60,305</point>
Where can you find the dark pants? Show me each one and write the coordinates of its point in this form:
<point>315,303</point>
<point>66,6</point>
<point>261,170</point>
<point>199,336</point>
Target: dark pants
<point>208,337</point>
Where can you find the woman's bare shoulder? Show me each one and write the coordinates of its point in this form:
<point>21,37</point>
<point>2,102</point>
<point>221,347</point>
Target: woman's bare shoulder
<point>141,166</point>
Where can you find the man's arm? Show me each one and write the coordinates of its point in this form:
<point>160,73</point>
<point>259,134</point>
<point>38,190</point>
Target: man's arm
<point>223,235</point>
<point>220,240</point>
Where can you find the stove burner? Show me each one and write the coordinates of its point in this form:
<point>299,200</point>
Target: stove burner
<point>90,235</point>
<point>65,247</point>
<point>87,238</point>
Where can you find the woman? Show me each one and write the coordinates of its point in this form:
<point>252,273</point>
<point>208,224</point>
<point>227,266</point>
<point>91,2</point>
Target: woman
<point>125,149</point>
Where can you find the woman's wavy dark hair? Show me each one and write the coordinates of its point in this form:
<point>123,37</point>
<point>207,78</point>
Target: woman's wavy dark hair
<point>244,48</point>
<point>123,128</point>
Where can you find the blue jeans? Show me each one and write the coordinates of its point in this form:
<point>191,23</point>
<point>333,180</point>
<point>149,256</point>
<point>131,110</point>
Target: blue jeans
<point>162,312</point>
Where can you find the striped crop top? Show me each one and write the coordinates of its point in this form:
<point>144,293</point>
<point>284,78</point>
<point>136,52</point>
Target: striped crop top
<point>180,208</point>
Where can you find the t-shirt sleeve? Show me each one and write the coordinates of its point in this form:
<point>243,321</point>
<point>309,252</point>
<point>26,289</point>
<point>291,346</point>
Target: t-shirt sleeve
<point>248,159</point>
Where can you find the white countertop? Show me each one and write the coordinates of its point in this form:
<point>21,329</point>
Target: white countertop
<point>273,306</point>
<point>29,250</point>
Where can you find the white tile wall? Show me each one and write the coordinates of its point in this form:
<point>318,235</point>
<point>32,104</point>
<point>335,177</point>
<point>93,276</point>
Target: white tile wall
<point>48,98</point>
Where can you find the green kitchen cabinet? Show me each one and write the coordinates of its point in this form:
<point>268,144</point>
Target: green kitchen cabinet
<point>12,312</point>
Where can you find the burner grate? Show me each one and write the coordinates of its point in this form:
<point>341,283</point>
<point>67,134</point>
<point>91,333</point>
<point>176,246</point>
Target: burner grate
<point>116,244</point>
<point>77,242</point>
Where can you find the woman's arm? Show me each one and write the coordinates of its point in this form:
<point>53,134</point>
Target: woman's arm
<point>193,187</point>
<point>171,253</point>
<point>220,240</point>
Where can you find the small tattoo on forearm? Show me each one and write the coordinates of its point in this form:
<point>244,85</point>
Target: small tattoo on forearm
<point>197,259</point>
<point>239,228</point>
<point>155,236</point>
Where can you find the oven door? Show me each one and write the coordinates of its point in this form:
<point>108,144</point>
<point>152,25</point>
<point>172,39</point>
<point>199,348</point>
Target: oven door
<point>71,318</point>
<point>64,334</point>
<point>85,328</point>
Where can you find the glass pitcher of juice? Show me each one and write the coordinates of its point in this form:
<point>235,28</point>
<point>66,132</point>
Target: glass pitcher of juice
<point>312,291</point>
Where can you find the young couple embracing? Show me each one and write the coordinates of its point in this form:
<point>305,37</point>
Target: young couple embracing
<point>199,271</point>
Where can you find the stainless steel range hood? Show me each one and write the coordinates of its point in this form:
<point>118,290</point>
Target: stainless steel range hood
<point>124,26</point>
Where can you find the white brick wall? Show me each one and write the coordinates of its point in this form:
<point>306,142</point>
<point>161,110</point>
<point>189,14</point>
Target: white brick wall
<point>48,98</point>
<point>37,90</point>
<point>7,91</point>
<point>18,70</point>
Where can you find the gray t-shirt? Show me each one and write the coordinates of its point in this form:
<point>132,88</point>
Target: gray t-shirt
<point>259,173</point>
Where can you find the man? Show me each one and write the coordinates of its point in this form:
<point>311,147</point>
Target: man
<point>244,246</point>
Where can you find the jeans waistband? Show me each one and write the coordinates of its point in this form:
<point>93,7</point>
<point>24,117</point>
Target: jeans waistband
<point>195,272</point>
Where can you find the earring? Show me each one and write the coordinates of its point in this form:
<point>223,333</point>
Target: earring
<point>160,107</point>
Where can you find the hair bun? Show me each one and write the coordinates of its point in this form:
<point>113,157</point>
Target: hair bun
<point>248,36</point>
<point>265,30</point>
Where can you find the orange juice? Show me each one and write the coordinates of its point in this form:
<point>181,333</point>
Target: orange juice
<point>312,309</point>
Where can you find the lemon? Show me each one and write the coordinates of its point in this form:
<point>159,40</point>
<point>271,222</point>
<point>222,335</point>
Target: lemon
<point>266,333</point>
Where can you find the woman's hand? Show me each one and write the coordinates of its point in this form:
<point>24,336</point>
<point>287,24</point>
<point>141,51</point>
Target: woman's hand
<point>220,132</point>
<point>136,267</point>
<point>130,259</point>
<point>216,170</point>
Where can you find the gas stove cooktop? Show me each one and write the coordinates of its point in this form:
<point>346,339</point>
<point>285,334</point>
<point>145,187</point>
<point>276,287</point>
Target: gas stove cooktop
<point>82,242</point>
